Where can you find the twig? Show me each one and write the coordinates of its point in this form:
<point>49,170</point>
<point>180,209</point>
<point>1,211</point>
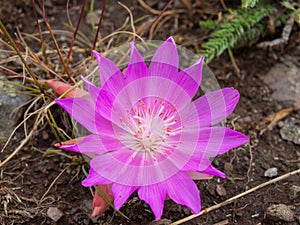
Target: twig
<point>41,36</point>
<point>76,30</point>
<point>53,182</point>
<point>99,25</point>
<point>250,164</point>
<point>123,32</point>
<point>236,68</point>
<point>17,149</point>
<point>68,15</point>
<point>230,200</point>
<point>13,44</point>
<point>158,17</point>
<point>285,36</point>
<point>156,28</point>
<point>131,18</point>
<point>157,12</point>
<point>57,47</point>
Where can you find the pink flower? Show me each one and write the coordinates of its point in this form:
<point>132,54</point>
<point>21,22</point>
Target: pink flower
<point>147,135</point>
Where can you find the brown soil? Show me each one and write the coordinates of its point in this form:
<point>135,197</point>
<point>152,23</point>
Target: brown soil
<point>26,190</point>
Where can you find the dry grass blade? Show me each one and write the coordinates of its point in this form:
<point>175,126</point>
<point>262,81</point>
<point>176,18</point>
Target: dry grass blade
<point>13,44</point>
<point>131,18</point>
<point>230,200</point>
<point>157,12</point>
<point>53,182</point>
<point>276,117</point>
<point>17,149</point>
<point>57,47</point>
<point>158,17</point>
<point>27,138</point>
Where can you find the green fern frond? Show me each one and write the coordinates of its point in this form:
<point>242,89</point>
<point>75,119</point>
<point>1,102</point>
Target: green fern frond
<point>248,3</point>
<point>288,5</point>
<point>209,24</point>
<point>244,27</point>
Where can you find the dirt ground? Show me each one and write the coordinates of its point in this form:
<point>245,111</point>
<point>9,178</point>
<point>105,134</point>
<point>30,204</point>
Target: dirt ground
<point>32,181</point>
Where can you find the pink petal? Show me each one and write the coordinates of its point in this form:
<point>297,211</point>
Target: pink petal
<point>154,195</point>
<point>99,204</point>
<point>93,90</point>
<point>199,176</point>
<point>215,106</point>
<point>210,170</point>
<point>182,190</point>
<point>119,167</point>
<point>121,194</point>
<point>154,86</point>
<point>94,179</point>
<point>190,78</point>
<point>81,110</point>
<point>137,67</point>
<point>104,104</point>
<point>215,141</point>
<point>107,68</point>
<point>165,60</point>
<point>61,87</point>
<point>93,144</point>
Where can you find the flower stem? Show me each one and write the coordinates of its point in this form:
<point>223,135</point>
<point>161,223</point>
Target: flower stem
<point>104,197</point>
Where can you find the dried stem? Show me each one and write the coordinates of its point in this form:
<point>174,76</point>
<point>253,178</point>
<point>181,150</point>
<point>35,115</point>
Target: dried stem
<point>99,25</point>
<point>13,44</point>
<point>56,46</point>
<point>230,200</point>
<point>131,18</point>
<point>76,30</point>
<point>157,17</point>
<point>41,37</point>
<point>39,119</point>
<point>236,68</point>
<point>104,197</point>
<point>53,182</point>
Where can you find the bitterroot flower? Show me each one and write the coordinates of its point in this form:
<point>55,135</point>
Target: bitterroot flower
<point>147,135</point>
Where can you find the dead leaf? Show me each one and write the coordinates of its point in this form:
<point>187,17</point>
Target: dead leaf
<point>274,118</point>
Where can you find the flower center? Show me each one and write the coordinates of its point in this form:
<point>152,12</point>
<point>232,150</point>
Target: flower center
<point>153,129</point>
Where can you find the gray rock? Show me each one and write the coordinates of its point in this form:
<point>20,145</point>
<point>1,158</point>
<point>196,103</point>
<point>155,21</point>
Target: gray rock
<point>281,212</point>
<point>284,79</point>
<point>9,102</point>
<point>294,192</point>
<point>290,130</point>
<point>271,172</point>
<point>54,213</point>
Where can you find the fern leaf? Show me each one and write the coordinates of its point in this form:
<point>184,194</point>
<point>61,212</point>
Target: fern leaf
<point>248,3</point>
<point>245,27</point>
<point>209,24</point>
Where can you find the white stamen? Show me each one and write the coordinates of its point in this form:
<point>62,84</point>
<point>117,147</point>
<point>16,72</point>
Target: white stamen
<point>150,127</point>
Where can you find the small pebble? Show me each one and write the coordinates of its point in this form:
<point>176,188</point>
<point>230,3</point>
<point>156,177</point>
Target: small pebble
<point>54,213</point>
<point>280,212</point>
<point>186,211</point>
<point>45,135</point>
<point>271,172</point>
<point>256,215</point>
<point>220,190</point>
<point>294,192</point>
<point>211,189</point>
